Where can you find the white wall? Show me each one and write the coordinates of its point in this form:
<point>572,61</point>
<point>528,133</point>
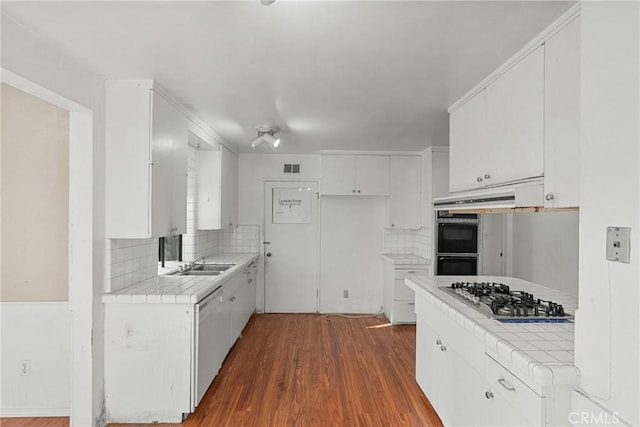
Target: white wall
<point>253,170</point>
<point>35,198</point>
<point>29,55</point>
<point>350,247</point>
<point>37,332</point>
<point>545,249</point>
<point>608,322</point>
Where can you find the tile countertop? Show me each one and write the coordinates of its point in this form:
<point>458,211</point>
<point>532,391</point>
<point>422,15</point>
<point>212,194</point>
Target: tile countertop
<point>405,259</point>
<point>542,352</point>
<point>164,289</point>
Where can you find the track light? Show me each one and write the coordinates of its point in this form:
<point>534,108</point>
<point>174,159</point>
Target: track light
<point>267,134</point>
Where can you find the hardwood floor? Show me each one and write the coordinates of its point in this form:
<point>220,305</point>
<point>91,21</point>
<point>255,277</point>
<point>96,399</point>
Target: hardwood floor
<point>35,422</point>
<point>311,370</point>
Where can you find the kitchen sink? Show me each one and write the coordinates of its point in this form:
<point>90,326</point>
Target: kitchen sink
<point>204,270</point>
<point>212,267</point>
<point>196,273</point>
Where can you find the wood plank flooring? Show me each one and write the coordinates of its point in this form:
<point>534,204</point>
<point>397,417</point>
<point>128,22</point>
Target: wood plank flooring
<point>35,422</point>
<point>311,370</point>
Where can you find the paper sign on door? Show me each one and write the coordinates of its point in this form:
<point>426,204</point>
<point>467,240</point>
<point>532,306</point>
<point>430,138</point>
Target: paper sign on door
<point>292,205</point>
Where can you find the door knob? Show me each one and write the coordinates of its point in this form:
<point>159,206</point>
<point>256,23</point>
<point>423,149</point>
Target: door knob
<point>268,254</point>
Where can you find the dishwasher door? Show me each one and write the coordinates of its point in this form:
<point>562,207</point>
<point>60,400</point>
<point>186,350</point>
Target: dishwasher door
<point>213,334</point>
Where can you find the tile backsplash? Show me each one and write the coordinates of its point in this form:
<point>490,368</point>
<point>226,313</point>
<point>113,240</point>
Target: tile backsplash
<point>408,242</point>
<point>130,261</point>
<point>243,238</point>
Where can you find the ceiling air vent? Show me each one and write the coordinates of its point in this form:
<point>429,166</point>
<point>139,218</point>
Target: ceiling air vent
<point>291,168</point>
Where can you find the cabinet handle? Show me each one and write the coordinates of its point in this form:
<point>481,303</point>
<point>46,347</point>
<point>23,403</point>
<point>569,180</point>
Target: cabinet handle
<point>411,303</point>
<point>358,191</point>
<point>393,225</point>
<point>438,341</point>
<point>505,384</point>
<point>443,348</point>
<point>488,395</point>
<point>411,272</point>
<point>487,176</point>
<point>479,179</point>
<point>232,299</point>
<point>353,191</point>
<point>549,196</point>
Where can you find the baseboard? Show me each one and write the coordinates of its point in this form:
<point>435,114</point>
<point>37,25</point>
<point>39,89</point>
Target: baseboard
<point>34,412</point>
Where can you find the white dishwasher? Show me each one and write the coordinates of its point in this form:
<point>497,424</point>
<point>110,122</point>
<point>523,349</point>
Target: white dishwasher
<point>213,334</point>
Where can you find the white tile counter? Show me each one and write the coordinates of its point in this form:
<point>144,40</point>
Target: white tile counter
<point>542,352</point>
<point>405,259</point>
<point>165,289</point>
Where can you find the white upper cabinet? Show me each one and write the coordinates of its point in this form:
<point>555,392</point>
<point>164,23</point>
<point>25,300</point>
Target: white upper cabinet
<point>523,122</point>
<point>146,162</point>
<point>361,175</point>
<point>208,177</point>
<point>562,117</point>
<point>515,122</point>
<point>229,189</point>
<point>403,206</point>
<point>468,144</point>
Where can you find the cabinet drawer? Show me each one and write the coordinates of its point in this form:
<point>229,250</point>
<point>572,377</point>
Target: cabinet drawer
<point>402,273</point>
<point>402,291</point>
<point>516,393</point>
<point>404,312</point>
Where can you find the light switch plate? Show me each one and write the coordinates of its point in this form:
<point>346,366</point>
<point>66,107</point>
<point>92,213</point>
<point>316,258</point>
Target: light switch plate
<point>618,244</point>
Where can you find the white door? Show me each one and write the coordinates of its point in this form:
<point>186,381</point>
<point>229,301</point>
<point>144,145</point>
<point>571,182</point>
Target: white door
<point>291,247</point>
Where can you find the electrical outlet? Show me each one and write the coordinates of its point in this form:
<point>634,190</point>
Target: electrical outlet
<point>345,293</point>
<point>618,244</point>
<point>25,367</point>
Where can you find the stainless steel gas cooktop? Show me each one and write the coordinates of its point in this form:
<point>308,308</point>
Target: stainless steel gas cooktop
<point>498,301</point>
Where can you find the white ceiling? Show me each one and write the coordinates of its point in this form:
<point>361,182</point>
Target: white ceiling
<point>354,75</point>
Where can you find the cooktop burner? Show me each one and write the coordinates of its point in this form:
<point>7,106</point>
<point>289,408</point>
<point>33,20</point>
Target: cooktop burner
<point>499,301</point>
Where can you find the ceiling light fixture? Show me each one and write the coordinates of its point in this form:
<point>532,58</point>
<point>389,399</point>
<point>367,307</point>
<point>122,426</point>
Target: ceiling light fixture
<point>267,134</point>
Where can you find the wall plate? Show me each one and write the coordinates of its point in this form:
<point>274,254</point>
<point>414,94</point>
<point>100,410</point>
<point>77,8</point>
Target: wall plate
<point>618,244</point>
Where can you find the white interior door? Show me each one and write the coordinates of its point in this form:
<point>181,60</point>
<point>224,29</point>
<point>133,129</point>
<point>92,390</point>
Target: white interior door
<point>291,247</point>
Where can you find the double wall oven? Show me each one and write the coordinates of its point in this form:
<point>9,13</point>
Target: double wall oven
<point>456,244</point>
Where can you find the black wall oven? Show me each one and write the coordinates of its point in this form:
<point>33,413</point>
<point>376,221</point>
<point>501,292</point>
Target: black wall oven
<point>457,266</point>
<point>457,244</point>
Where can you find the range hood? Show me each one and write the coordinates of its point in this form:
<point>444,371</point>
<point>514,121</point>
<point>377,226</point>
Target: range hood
<point>518,197</point>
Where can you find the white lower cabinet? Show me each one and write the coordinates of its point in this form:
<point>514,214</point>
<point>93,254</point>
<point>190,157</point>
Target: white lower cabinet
<point>398,301</point>
<point>468,387</point>
<point>161,358</point>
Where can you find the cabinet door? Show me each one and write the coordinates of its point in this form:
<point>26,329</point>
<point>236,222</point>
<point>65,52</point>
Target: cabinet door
<point>562,117</point>
<point>208,190</point>
<point>467,141</point>
<point>338,175</point>
<point>515,118</point>
<point>128,161</point>
<point>179,172</point>
<point>163,131</point>
<point>403,206</point>
<point>372,175</point>
<point>229,189</point>
<point>433,371</point>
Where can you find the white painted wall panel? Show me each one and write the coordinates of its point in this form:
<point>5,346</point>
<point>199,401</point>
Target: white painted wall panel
<point>545,249</point>
<point>351,244</point>
<point>607,348</point>
<point>39,332</point>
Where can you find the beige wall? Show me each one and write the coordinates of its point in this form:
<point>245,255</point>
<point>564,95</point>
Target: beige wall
<point>34,156</point>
